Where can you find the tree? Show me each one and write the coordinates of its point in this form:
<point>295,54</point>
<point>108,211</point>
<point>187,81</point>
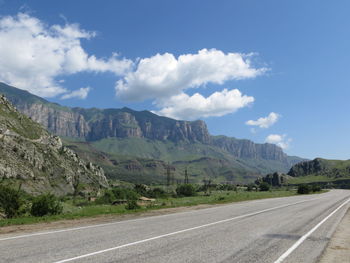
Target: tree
<point>10,201</point>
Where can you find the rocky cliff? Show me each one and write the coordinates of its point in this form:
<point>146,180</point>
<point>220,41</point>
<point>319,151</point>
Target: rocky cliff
<point>37,160</point>
<point>95,124</point>
<point>319,166</point>
<point>249,150</point>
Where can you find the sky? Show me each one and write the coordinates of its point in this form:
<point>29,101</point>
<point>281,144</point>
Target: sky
<point>269,71</point>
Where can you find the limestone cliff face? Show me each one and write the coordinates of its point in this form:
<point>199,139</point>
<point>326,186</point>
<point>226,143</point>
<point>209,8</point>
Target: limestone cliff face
<point>29,155</point>
<point>60,121</point>
<point>249,150</point>
<point>316,166</point>
<point>95,124</point>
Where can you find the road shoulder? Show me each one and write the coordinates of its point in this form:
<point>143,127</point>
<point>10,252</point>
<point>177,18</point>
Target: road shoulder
<point>338,249</point>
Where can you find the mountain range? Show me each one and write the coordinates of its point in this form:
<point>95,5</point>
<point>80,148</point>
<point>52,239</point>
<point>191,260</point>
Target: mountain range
<point>138,146</point>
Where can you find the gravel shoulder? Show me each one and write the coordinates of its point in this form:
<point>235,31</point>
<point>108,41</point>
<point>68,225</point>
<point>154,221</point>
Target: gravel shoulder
<point>338,249</point>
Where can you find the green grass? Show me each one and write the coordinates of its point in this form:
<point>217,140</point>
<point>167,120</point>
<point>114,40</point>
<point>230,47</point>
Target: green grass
<point>313,179</point>
<point>217,197</point>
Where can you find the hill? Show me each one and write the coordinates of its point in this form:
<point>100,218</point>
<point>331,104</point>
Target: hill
<point>321,171</point>
<point>36,160</point>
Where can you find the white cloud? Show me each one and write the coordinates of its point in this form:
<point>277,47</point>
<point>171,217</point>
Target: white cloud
<point>33,55</point>
<point>187,107</point>
<point>81,93</point>
<point>164,75</point>
<point>265,122</point>
<point>280,140</point>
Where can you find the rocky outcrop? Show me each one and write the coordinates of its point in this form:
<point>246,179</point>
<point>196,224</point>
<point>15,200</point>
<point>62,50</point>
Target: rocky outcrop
<point>37,160</point>
<point>316,166</point>
<point>274,179</point>
<point>249,150</point>
<point>319,166</point>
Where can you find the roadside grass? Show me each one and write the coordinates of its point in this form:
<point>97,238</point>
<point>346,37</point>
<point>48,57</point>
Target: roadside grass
<point>313,179</point>
<point>91,210</point>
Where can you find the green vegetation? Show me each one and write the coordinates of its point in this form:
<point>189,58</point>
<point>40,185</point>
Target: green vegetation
<point>10,201</point>
<point>264,187</point>
<point>46,204</point>
<point>185,190</point>
<point>306,189</point>
<point>125,201</point>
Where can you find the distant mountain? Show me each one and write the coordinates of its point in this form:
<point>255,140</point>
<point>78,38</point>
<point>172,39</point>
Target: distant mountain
<point>37,160</point>
<point>143,135</point>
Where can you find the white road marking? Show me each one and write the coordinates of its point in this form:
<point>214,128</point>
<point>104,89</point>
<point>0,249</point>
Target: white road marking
<point>302,239</point>
<point>179,232</point>
<point>112,223</point>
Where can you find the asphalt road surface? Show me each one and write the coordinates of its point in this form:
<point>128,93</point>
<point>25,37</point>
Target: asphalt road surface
<point>290,229</point>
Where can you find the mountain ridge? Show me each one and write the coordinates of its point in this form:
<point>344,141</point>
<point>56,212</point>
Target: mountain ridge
<point>143,134</point>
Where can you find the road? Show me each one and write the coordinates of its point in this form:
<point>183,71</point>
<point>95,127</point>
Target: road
<point>296,228</point>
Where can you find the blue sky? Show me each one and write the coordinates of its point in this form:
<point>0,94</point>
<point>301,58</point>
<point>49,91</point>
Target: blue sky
<point>299,69</point>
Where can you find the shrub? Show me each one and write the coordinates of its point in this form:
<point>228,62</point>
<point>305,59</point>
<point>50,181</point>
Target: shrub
<point>157,193</point>
<point>186,190</point>
<point>107,198</point>
<point>316,188</point>
<point>264,187</point>
<point>46,204</point>
<point>251,187</point>
<point>227,187</point>
<point>303,189</point>
<point>132,205</point>
<point>10,201</point>
<point>125,193</point>
<point>141,189</point>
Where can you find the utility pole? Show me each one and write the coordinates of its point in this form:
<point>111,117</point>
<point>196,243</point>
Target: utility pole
<point>168,175</point>
<point>186,176</point>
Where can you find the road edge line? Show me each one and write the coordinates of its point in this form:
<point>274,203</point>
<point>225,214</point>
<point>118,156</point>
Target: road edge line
<point>304,237</point>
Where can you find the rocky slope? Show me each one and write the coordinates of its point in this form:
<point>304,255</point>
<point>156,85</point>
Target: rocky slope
<point>319,166</point>
<point>37,160</point>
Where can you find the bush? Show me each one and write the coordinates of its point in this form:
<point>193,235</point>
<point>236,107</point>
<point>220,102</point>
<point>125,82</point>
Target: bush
<point>125,193</point>
<point>264,187</point>
<point>316,188</point>
<point>132,205</point>
<point>46,204</point>
<point>186,190</point>
<point>303,189</point>
<point>251,187</point>
<point>107,198</point>
<point>141,189</point>
<point>10,201</point>
<point>157,193</point>
<point>226,187</point>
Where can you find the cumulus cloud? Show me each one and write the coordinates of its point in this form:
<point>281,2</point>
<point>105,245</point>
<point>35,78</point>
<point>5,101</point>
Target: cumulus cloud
<point>280,140</point>
<point>81,93</point>
<point>265,122</point>
<point>164,75</point>
<point>33,54</point>
<point>187,107</point>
